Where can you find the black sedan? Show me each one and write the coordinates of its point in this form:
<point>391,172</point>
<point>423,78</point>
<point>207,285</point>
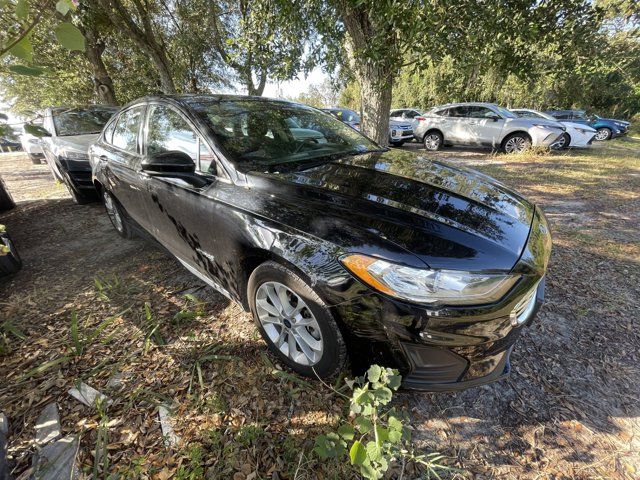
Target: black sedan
<point>339,248</point>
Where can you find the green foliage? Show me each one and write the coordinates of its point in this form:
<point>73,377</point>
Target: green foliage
<point>376,434</point>
<point>69,36</point>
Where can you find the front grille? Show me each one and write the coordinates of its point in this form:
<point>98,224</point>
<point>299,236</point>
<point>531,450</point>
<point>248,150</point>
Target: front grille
<point>524,307</point>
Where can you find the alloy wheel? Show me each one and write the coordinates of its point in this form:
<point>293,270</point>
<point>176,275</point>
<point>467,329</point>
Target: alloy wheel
<point>602,134</point>
<point>432,141</point>
<point>559,145</point>
<point>112,211</point>
<point>289,323</point>
<point>516,145</point>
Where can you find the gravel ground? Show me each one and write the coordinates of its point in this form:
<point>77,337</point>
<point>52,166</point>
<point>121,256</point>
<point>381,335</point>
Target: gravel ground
<point>569,410</point>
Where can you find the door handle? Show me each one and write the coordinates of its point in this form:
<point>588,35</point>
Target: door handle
<point>103,158</point>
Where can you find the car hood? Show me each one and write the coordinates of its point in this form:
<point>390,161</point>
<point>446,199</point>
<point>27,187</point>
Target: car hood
<point>80,143</point>
<point>624,122</point>
<point>581,126</point>
<point>404,207</point>
<point>399,123</point>
<point>530,122</point>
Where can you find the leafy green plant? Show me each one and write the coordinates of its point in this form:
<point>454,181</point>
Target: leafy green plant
<point>153,332</point>
<point>80,339</point>
<point>193,309</point>
<point>376,435</point>
<point>8,330</point>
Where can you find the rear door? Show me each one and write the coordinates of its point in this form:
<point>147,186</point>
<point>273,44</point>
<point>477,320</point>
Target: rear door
<point>457,130</point>
<point>120,150</point>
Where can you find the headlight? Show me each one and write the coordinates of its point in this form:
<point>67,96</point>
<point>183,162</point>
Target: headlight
<point>432,287</point>
<point>73,155</point>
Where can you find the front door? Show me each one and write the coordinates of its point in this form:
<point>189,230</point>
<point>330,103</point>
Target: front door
<point>484,126</point>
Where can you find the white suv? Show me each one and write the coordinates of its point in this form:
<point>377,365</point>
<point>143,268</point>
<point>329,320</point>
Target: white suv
<point>486,125</point>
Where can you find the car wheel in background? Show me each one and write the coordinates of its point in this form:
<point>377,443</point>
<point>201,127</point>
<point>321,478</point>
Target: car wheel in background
<point>295,322</point>
<point>10,262</point>
<point>433,140</point>
<point>116,215</point>
<point>603,134</point>
<point>563,143</point>
<point>516,143</point>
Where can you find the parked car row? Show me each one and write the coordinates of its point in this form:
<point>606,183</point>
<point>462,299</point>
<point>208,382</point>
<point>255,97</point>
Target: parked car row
<point>485,124</point>
<point>339,248</point>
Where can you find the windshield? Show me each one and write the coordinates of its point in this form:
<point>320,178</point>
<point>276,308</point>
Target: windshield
<point>81,121</point>
<point>504,112</point>
<point>258,134</point>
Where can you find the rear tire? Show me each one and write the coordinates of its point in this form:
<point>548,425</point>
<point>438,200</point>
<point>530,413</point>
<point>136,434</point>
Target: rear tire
<point>603,134</point>
<point>294,322</point>
<point>433,141</point>
<point>116,215</point>
<point>81,198</point>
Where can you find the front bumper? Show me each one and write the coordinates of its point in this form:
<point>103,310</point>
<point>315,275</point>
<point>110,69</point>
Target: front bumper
<point>450,348</point>
<point>398,135</point>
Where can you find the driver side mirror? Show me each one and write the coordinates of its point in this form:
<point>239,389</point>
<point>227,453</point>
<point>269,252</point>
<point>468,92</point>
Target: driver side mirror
<point>36,130</point>
<point>494,117</point>
<point>168,162</point>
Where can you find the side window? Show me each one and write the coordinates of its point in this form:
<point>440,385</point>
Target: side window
<point>458,111</point>
<point>479,112</point>
<point>168,131</point>
<point>206,163</point>
<point>397,113</point>
<point>442,113</point>
<point>125,132</point>
<point>410,114</point>
<point>561,116</point>
<point>108,132</point>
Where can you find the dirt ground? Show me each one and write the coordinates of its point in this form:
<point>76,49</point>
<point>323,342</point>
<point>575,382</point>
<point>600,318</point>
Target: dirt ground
<point>570,409</point>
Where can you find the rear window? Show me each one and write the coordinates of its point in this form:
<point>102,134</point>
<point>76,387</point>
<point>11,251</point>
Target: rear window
<point>81,121</point>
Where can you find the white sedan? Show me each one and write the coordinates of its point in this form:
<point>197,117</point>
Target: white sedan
<point>577,134</point>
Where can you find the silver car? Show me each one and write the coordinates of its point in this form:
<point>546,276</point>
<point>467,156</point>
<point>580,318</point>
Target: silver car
<point>484,125</point>
<point>66,136</point>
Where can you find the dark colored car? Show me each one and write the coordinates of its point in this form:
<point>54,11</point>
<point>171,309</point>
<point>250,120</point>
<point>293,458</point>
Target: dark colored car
<point>66,135</point>
<point>10,145</point>
<point>338,247</point>
<point>10,261</point>
<point>606,128</point>
<point>345,115</point>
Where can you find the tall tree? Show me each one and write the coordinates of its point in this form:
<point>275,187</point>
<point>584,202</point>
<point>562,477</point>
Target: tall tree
<point>138,25</point>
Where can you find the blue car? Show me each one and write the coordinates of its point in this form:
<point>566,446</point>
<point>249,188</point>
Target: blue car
<point>606,128</point>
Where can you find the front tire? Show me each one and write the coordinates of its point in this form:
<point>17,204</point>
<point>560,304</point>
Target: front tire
<point>603,134</point>
<point>564,142</point>
<point>294,322</point>
<point>116,215</point>
<point>433,141</point>
<point>516,143</point>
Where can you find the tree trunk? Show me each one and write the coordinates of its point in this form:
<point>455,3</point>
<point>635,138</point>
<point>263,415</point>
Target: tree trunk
<point>374,75</point>
<point>375,99</point>
<point>101,78</point>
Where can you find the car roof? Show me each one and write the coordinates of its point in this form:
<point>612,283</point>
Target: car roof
<point>466,104</point>
<point>189,99</point>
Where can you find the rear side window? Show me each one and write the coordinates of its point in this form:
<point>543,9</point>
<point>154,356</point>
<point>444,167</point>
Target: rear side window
<point>125,132</point>
<point>561,115</point>
<point>479,112</point>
